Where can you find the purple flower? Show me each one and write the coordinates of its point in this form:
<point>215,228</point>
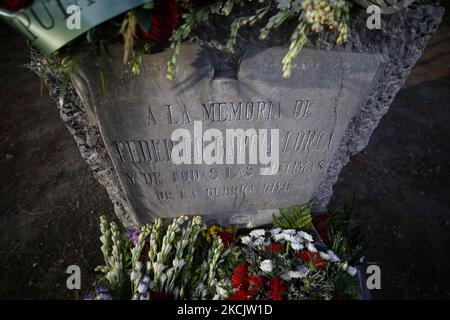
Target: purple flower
<point>104,296</point>
<point>102,293</point>
<point>102,289</point>
<point>143,285</point>
<point>89,296</point>
<point>133,235</point>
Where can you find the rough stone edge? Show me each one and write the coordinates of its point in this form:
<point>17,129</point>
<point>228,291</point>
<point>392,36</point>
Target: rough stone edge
<point>401,40</point>
<point>86,136</point>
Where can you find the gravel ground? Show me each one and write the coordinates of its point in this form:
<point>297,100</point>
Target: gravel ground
<point>50,202</point>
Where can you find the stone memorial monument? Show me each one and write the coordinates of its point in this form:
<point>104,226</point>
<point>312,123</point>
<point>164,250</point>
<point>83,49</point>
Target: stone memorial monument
<point>229,138</point>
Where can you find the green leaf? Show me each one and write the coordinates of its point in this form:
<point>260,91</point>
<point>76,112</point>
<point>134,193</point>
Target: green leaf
<point>295,217</point>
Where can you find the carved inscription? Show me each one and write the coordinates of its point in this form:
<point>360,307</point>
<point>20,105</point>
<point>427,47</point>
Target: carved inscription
<point>168,182</point>
<point>254,142</point>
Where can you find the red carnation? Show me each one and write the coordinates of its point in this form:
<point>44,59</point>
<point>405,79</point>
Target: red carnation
<point>320,223</point>
<point>226,237</point>
<point>307,257</point>
<point>275,288</point>
<point>275,247</point>
<point>239,279</point>
<point>240,295</point>
<point>164,20</point>
<point>15,5</point>
<point>255,283</point>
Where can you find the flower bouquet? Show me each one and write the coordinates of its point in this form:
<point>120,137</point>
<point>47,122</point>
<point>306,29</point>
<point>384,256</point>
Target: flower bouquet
<point>188,260</point>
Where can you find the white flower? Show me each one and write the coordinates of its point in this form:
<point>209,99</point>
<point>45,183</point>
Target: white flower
<point>135,274</point>
<point>103,239</point>
<point>223,293</point>
<point>298,274</point>
<point>351,271</point>
<point>169,273</point>
<point>311,247</point>
<point>305,236</point>
<point>178,263</point>
<point>290,238</point>
<point>283,4</point>
<point>324,256</point>
<point>279,237</point>
<point>109,276</point>
<point>199,289</point>
<point>289,231</point>
<point>257,233</point>
<point>266,266</point>
<point>333,256</point>
<point>176,292</point>
<point>297,5</point>
<point>197,220</point>
<point>286,276</point>
<point>158,267</point>
<point>103,296</point>
<point>296,245</point>
<point>246,240</point>
<point>275,231</point>
<point>259,242</point>
<point>303,269</point>
<point>162,279</point>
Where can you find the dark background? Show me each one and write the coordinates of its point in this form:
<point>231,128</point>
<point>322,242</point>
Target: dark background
<point>50,202</point>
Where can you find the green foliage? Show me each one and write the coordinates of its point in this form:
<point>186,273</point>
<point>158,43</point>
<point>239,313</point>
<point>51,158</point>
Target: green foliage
<point>310,15</point>
<point>315,286</point>
<point>245,21</point>
<point>65,68</point>
<point>346,285</point>
<point>137,55</point>
<point>175,263</point>
<point>179,260</point>
<point>347,232</point>
<point>128,31</point>
<point>115,249</point>
<point>313,15</point>
<point>298,40</point>
<point>295,217</point>
<point>274,22</point>
<point>96,45</point>
<point>192,18</point>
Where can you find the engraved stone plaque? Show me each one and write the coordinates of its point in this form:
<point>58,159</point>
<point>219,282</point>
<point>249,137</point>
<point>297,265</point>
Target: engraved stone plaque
<point>311,111</point>
<point>323,114</point>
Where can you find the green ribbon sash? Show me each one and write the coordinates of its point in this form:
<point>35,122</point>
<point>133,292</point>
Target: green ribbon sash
<point>45,22</point>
